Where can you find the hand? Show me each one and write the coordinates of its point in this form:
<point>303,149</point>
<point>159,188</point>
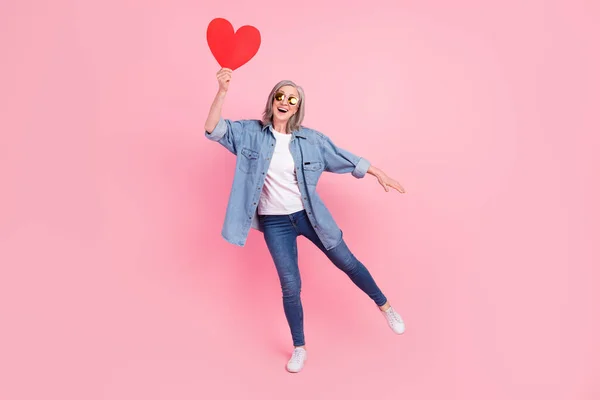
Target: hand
<point>224,77</point>
<point>386,181</point>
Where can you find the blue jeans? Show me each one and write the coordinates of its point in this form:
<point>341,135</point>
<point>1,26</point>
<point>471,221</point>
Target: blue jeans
<point>280,233</point>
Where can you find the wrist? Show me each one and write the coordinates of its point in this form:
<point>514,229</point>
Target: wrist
<point>374,171</point>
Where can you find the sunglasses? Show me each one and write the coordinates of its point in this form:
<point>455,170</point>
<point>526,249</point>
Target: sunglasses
<point>292,100</point>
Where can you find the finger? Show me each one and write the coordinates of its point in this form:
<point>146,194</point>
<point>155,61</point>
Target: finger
<point>384,186</point>
<point>397,186</point>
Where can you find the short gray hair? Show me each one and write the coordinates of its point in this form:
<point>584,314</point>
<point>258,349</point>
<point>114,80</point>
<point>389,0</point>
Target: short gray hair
<point>295,122</point>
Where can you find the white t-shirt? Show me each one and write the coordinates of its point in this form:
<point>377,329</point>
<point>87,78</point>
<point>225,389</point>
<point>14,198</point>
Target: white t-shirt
<point>280,194</point>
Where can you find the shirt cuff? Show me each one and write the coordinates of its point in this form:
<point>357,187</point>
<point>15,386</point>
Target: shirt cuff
<point>218,132</point>
<point>361,168</point>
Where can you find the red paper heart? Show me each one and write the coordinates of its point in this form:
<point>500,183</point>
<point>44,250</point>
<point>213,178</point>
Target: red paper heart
<point>232,50</point>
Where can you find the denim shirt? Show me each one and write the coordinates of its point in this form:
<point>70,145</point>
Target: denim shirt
<point>253,143</point>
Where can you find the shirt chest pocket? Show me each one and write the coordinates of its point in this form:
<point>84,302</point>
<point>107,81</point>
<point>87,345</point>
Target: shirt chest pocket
<point>312,171</point>
<point>248,160</point>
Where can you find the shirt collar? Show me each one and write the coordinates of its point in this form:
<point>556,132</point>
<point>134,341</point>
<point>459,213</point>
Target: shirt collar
<point>295,134</point>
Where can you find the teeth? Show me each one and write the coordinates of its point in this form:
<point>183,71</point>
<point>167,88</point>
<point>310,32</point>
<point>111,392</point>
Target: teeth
<point>282,109</point>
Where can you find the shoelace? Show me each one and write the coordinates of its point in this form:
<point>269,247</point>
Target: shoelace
<point>297,355</point>
<point>394,316</point>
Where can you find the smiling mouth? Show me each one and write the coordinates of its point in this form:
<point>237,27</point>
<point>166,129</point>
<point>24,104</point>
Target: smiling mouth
<point>283,110</point>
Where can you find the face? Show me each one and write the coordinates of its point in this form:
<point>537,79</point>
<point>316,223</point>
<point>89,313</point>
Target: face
<point>285,103</point>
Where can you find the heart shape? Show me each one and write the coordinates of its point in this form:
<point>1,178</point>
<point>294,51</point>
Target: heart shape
<point>232,49</point>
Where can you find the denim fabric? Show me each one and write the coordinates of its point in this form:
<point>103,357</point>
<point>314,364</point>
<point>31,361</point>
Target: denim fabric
<point>281,232</point>
<point>313,152</point>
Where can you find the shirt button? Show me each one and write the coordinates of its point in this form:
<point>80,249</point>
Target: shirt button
<point>305,198</point>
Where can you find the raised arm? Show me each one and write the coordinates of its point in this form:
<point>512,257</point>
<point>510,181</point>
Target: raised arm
<point>214,115</point>
<point>223,131</point>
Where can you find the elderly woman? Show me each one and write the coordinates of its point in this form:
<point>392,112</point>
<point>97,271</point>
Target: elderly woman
<point>279,163</point>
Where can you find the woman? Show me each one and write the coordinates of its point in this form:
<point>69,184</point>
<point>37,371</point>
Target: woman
<point>274,190</point>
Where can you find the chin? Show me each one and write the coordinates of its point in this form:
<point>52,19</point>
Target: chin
<point>281,118</point>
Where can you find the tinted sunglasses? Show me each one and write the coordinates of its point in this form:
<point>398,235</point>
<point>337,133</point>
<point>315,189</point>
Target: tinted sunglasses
<point>292,100</point>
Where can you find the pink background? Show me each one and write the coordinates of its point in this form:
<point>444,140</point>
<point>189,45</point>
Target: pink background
<point>116,284</point>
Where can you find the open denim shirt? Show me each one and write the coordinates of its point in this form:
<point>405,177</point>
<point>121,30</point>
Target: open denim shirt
<point>253,143</point>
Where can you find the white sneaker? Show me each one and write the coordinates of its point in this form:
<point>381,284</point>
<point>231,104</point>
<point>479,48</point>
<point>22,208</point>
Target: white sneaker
<point>297,361</point>
<point>394,320</point>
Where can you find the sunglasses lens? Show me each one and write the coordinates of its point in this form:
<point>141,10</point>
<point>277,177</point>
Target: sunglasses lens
<point>279,96</point>
<point>293,101</point>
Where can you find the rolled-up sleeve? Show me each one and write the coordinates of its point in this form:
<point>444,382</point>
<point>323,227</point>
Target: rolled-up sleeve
<point>340,161</point>
<point>227,133</point>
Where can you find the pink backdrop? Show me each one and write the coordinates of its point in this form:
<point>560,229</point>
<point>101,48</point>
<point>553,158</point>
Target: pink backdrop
<point>116,284</point>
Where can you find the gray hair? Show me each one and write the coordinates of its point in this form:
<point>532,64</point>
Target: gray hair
<point>294,123</point>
